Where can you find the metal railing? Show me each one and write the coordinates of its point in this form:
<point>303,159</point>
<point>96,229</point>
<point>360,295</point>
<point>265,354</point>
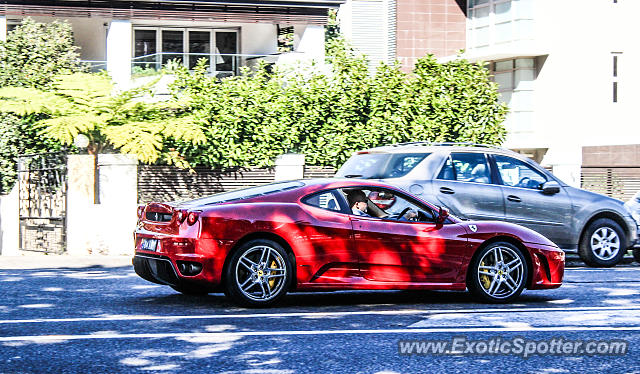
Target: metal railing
<point>94,66</point>
<point>224,64</point>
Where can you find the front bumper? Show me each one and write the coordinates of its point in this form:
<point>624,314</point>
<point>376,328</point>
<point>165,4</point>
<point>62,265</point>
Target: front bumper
<point>548,266</point>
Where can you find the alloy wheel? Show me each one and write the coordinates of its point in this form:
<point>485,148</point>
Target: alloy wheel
<point>605,243</point>
<point>260,273</point>
<point>501,272</point>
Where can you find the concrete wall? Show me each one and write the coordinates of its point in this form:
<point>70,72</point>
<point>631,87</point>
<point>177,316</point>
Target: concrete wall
<point>289,166</point>
<point>118,176</point>
<point>105,227</point>
<point>9,222</point>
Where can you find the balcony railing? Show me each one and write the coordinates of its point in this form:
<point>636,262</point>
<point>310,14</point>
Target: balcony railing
<point>224,64</point>
<point>94,66</point>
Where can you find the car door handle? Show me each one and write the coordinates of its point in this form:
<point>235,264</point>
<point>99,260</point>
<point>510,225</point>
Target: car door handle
<point>447,190</point>
<point>515,199</point>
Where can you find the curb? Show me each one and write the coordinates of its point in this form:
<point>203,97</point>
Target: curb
<point>41,261</point>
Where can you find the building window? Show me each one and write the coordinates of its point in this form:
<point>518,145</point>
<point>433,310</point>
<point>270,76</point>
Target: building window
<point>154,47</point>
<point>498,22</point>
<point>515,79</point>
<point>616,74</point>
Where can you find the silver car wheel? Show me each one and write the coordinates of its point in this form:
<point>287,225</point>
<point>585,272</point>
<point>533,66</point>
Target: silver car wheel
<point>500,272</point>
<point>605,243</point>
<point>260,273</point>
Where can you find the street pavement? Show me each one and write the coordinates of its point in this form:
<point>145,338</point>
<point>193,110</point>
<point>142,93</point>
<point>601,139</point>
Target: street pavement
<point>81,317</point>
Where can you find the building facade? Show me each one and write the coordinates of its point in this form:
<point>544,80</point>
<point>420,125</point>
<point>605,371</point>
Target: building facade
<point>131,37</point>
<point>565,68</point>
<point>404,30</point>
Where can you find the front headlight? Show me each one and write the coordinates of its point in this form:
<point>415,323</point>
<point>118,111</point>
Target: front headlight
<point>636,217</point>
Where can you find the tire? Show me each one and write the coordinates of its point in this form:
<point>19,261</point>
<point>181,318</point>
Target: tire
<point>636,254</point>
<point>603,243</point>
<point>258,274</point>
<point>498,273</point>
<point>191,290</point>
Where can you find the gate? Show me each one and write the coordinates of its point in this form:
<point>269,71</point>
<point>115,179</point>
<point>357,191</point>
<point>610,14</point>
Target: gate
<point>42,196</point>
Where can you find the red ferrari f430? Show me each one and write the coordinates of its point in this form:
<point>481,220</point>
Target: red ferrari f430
<point>259,243</point>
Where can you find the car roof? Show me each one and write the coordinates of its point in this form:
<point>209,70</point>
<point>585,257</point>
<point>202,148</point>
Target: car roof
<point>429,147</point>
<point>322,183</point>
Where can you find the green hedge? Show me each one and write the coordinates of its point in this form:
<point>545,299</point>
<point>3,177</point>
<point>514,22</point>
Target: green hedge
<point>252,118</point>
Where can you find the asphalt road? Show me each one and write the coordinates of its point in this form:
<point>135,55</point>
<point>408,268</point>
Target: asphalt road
<point>107,320</point>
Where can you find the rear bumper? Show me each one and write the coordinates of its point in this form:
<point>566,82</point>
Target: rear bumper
<point>156,269</point>
<point>163,270</point>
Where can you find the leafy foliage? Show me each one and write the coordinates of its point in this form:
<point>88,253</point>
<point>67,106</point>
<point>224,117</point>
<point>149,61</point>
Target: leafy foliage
<point>19,136</point>
<point>83,103</point>
<point>34,52</point>
<point>250,119</point>
<point>325,111</point>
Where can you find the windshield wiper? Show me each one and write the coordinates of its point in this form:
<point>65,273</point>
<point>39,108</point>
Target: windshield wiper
<point>353,176</point>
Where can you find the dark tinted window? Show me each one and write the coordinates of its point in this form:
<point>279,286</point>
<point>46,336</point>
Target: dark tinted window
<point>245,193</point>
<point>466,167</point>
<point>387,204</point>
<point>325,200</point>
<point>380,165</point>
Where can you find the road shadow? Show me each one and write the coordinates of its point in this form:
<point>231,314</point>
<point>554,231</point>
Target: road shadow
<point>360,299</point>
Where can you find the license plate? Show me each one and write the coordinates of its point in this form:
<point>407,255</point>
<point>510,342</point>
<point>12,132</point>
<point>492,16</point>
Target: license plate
<point>149,244</point>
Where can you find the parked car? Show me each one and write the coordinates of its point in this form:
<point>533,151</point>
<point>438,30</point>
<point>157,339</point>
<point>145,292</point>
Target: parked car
<point>259,243</point>
<point>481,182</point>
<point>633,206</point>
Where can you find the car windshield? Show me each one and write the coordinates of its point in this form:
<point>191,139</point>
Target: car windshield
<point>380,165</point>
<point>242,194</point>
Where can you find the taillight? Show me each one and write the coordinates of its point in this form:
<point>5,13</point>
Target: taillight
<point>192,217</point>
<point>181,215</point>
<point>141,210</point>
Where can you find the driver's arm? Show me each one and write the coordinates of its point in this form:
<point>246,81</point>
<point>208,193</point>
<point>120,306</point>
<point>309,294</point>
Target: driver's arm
<point>410,214</point>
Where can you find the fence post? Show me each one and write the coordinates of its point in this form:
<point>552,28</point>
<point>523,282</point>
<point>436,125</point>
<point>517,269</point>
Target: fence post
<point>118,186</point>
<point>9,221</point>
<point>80,204</point>
<point>289,166</point>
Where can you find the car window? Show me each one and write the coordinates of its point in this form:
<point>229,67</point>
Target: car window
<point>387,204</point>
<point>401,164</point>
<point>325,200</point>
<point>366,165</point>
<point>466,167</point>
<point>516,173</point>
<point>380,165</point>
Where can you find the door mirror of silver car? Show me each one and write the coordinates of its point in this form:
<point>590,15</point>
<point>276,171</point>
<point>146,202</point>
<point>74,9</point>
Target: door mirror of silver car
<point>443,213</point>
<point>550,187</point>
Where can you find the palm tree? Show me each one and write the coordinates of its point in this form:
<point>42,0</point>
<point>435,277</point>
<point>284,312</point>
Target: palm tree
<point>83,103</point>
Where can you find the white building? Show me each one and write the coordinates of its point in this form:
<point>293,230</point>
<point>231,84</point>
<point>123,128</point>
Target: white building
<point>566,70</point>
<point>126,36</point>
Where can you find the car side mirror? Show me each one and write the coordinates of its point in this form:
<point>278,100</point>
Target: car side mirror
<point>550,187</point>
<point>443,213</point>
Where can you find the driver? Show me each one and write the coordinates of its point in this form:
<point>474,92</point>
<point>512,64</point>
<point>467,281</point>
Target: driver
<point>358,203</point>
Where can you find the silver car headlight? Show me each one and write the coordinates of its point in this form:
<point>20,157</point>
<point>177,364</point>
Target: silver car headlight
<point>636,217</point>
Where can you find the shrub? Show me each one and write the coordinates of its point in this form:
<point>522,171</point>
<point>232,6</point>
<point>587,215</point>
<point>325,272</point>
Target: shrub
<point>35,52</point>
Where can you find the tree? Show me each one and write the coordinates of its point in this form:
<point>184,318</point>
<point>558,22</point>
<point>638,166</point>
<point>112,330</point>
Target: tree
<point>83,103</point>
<point>32,54</point>
<point>35,52</point>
